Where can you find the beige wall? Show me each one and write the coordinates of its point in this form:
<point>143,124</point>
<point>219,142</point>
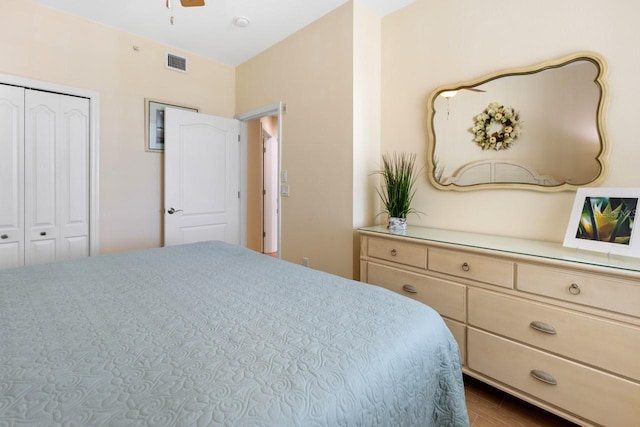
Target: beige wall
<point>312,72</point>
<point>42,44</point>
<point>432,43</point>
<point>328,75</point>
<point>367,71</point>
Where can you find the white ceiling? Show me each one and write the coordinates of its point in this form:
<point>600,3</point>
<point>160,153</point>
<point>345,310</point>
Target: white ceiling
<point>209,31</point>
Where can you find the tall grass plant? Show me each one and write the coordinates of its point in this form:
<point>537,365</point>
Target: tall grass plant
<point>399,176</point>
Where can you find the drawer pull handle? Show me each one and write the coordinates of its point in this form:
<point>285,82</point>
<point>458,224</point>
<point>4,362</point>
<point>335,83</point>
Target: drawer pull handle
<point>543,327</point>
<point>4,236</point>
<point>410,289</point>
<point>574,289</point>
<point>394,252</point>
<point>465,266</point>
<point>43,233</point>
<point>544,377</point>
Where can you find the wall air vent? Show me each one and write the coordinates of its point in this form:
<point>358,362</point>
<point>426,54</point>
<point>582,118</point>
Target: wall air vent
<point>176,63</point>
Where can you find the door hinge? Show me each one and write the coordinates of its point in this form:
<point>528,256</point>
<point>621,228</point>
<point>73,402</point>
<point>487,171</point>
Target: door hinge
<point>264,234</point>
<point>238,137</point>
<point>238,194</point>
<point>264,192</point>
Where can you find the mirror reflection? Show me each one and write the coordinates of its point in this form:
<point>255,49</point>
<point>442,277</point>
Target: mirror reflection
<point>539,127</point>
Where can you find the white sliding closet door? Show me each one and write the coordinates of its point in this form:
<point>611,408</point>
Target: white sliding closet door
<point>74,189</point>
<point>11,176</point>
<point>44,177</point>
<point>56,177</point>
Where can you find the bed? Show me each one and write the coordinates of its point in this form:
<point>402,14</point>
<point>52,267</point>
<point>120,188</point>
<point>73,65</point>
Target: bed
<point>214,334</point>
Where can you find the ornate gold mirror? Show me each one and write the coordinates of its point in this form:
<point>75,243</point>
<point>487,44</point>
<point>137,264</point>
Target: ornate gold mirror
<point>540,128</point>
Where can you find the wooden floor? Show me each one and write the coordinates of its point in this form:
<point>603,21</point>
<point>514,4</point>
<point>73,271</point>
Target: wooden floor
<point>489,407</point>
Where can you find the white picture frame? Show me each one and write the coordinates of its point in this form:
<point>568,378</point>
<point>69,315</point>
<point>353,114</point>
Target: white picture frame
<point>612,210</point>
<point>154,122</point>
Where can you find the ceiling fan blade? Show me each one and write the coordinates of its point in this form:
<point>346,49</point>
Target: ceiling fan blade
<point>191,3</point>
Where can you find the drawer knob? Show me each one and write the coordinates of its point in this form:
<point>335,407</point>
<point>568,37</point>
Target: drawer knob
<point>4,236</point>
<point>410,289</point>
<point>574,289</point>
<point>394,252</point>
<point>465,266</point>
<point>543,376</point>
<point>543,327</point>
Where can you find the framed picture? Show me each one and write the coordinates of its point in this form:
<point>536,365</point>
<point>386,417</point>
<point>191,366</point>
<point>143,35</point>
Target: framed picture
<point>154,122</point>
<point>603,220</point>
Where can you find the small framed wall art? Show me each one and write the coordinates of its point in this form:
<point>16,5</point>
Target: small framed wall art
<point>603,220</point>
<point>154,122</point>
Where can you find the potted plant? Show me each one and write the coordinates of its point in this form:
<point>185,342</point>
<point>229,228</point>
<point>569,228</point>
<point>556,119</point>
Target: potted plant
<point>399,177</point>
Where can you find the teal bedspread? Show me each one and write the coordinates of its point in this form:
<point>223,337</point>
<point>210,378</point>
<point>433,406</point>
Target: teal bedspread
<point>214,334</point>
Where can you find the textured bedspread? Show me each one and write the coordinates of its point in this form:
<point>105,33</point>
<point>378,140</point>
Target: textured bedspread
<point>213,334</point>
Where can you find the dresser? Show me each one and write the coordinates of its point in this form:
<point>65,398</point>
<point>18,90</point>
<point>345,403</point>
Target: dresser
<point>554,326</point>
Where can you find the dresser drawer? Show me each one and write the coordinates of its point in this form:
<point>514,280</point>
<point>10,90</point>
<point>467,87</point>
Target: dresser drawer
<point>581,337</point>
<point>596,396</point>
<point>445,297</point>
<point>581,288</point>
<point>475,267</point>
<point>400,252</point>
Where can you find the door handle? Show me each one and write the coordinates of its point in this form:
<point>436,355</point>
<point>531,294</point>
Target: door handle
<point>171,211</point>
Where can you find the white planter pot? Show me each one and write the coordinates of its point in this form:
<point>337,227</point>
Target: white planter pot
<point>397,223</point>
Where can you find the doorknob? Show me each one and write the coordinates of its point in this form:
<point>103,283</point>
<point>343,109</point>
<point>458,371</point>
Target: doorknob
<point>172,211</point>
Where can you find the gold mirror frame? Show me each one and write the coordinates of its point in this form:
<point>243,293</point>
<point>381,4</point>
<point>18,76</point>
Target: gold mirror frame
<point>435,171</point>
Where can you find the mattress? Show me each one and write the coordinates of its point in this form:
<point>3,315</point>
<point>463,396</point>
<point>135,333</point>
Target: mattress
<point>215,334</point>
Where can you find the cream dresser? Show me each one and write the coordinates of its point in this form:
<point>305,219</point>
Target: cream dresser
<point>557,327</point>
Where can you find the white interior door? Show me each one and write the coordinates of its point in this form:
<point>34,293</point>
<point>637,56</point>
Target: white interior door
<point>11,176</point>
<point>201,178</point>
<point>41,198</point>
<point>270,179</point>
<point>57,177</point>
<point>73,178</point>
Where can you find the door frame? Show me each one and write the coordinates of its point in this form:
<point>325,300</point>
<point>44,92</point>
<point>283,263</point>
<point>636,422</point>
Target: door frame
<point>94,143</point>
<point>276,109</point>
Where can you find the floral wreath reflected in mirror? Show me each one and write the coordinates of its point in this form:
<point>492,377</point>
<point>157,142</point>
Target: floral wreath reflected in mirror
<point>540,127</point>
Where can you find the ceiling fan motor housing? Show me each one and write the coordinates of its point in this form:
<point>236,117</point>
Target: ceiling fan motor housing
<point>190,3</point>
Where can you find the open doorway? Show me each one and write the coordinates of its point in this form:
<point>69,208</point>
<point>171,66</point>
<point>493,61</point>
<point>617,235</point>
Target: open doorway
<point>262,185</point>
<point>261,142</point>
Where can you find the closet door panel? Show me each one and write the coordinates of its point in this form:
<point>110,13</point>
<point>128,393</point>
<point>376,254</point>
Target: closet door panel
<point>41,140</point>
<point>73,167</point>
<point>11,255</point>
<point>11,176</point>
<point>44,176</point>
<point>42,251</point>
<point>74,247</point>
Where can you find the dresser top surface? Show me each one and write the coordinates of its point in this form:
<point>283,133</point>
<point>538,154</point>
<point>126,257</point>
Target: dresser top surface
<point>511,245</point>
